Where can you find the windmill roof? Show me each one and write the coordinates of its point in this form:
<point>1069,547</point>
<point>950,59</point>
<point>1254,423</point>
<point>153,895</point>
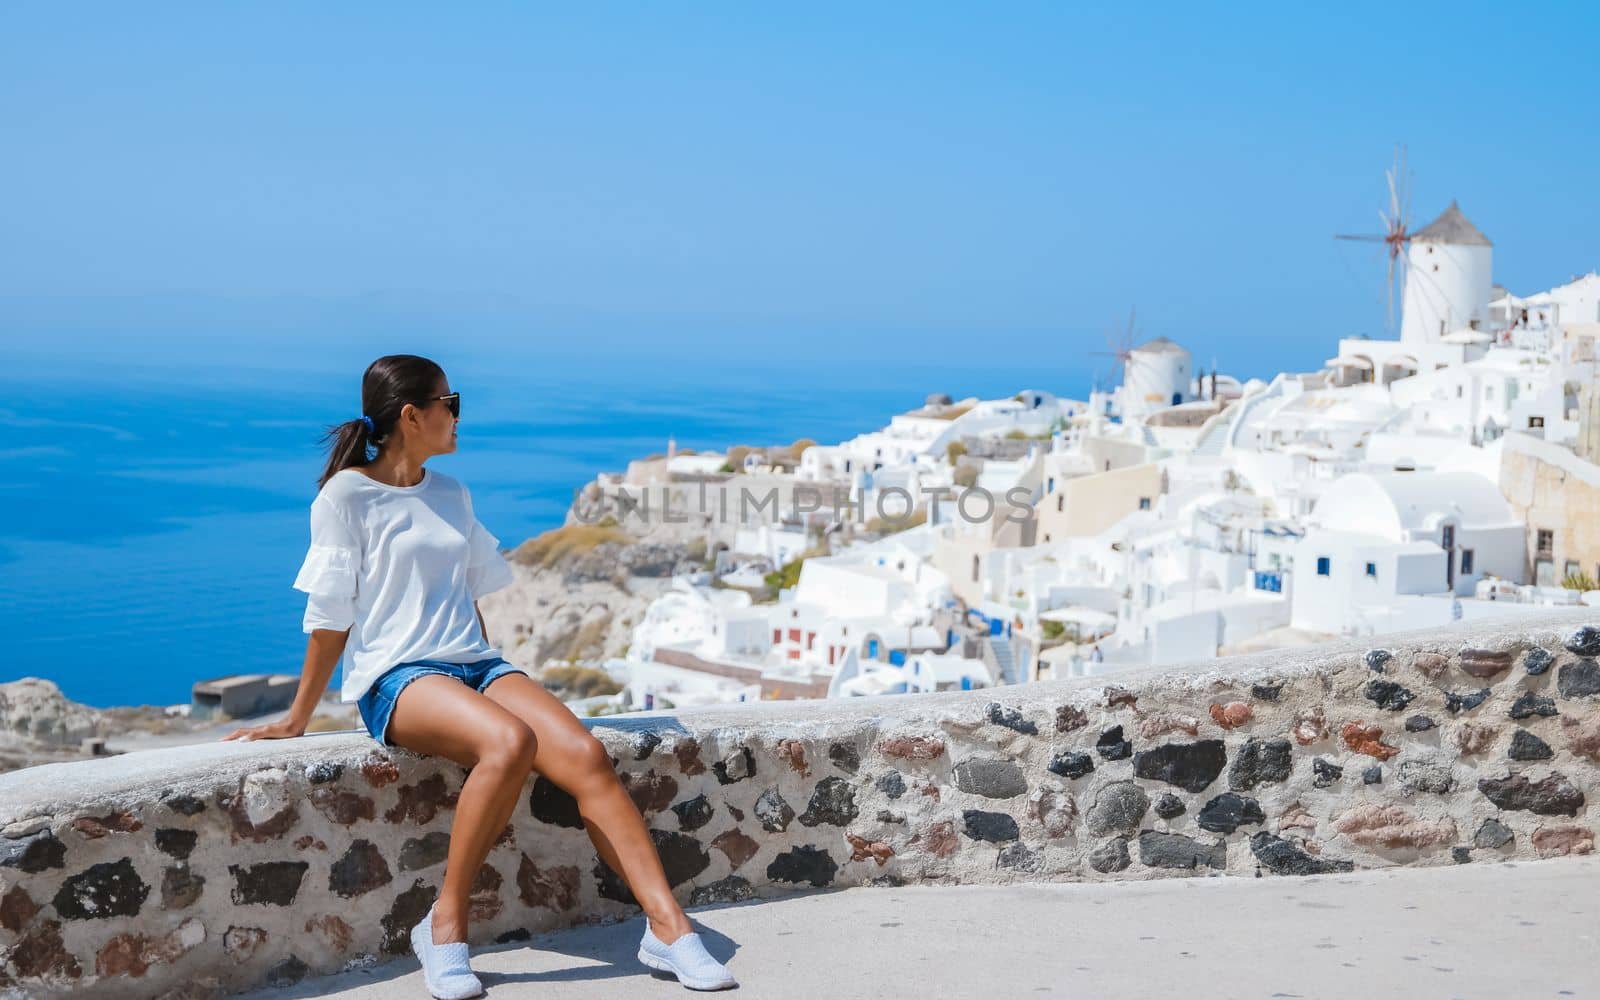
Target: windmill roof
<point>1452,227</point>
<point>1160,345</point>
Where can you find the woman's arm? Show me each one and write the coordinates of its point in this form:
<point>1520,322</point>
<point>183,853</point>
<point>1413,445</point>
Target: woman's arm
<point>323,649</point>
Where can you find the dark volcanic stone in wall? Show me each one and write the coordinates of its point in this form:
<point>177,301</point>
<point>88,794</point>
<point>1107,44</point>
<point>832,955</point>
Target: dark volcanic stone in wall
<point>1284,858</point>
<point>175,842</point>
<point>184,804</point>
<point>1169,806</point>
<point>1016,855</point>
<point>1072,764</point>
<point>408,910</point>
<point>271,882</point>
<point>1537,661</point>
<point>731,889</point>
<point>361,870</point>
<point>1266,692</point>
<point>33,854</point>
<point>1455,701</point>
<point>693,813</point>
<point>1578,680</point>
<point>993,778</point>
<point>424,851</point>
<point>1372,775</point>
<point>1492,834</point>
<point>1112,746</point>
<point>323,771</point>
<point>1419,724</point>
<point>803,864</point>
<point>1526,746</point>
<point>1117,808</point>
<point>773,811</point>
<point>833,801</point>
<point>682,857</point>
<point>1260,762</point>
<point>1552,796</point>
<point>1229,811</point>
<point>890,783</point>
<point>995,827</point>
<point>1010,718</point>
<point>1174,850</point>
<point>1111,856</point>
<point>1378,659</point>
<point>845,757</point>
<point>108,889</point>
<point>1585,641</point>
<point>1325,772</point>
<point>180,888</point>
<point>644,744</point>
<point>1530,704</point>
<point>1190,766</point>
<point>549,803</point>
<point>1387,695</point>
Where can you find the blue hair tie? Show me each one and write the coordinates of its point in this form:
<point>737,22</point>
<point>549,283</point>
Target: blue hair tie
<point>368,421</point>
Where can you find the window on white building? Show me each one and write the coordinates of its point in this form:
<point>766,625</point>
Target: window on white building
<point>1322,565</point>
<point>1372,570</point>
<point>1466,562</point>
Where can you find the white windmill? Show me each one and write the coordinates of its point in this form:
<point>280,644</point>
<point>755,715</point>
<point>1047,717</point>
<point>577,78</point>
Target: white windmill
<point>1150,376</point>
<point>1444,269</point>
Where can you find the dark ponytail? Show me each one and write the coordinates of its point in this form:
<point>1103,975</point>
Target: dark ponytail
<point>389,384</point>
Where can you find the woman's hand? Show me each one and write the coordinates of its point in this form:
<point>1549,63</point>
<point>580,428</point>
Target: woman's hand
<point>283,729</point>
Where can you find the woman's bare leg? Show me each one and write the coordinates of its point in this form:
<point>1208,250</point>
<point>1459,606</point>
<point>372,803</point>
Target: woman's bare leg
<point>570,756</point>
<point>439,715</point>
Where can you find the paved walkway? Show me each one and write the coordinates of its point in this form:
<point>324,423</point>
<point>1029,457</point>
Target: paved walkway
<point>1525,930</point>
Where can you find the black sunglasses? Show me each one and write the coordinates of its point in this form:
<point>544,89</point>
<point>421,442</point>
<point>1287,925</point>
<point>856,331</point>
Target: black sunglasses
<point>452,400</point>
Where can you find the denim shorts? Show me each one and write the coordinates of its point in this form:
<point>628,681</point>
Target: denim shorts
<point>378,703</point>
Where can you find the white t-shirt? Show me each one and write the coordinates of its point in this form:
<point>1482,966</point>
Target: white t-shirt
<point>400,567</point>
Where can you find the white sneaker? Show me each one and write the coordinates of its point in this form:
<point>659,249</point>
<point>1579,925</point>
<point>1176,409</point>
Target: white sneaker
<point>444,966</point>
<point>687,959</point>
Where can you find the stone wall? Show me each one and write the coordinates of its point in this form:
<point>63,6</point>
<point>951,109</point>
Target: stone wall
<point>205,870</point>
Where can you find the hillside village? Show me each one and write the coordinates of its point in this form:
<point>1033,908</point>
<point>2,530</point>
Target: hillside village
<point>1449,472</point>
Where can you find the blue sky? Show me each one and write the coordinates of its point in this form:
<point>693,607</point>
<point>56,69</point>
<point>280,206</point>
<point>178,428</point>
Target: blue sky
<point>970,185</point>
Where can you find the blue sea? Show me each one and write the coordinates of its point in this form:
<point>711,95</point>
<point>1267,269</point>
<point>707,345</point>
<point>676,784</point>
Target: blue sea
<point>152,519</point>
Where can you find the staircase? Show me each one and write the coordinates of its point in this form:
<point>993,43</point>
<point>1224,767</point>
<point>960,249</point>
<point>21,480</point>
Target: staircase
<point>1001,660</point>
<point>1215,435</point>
